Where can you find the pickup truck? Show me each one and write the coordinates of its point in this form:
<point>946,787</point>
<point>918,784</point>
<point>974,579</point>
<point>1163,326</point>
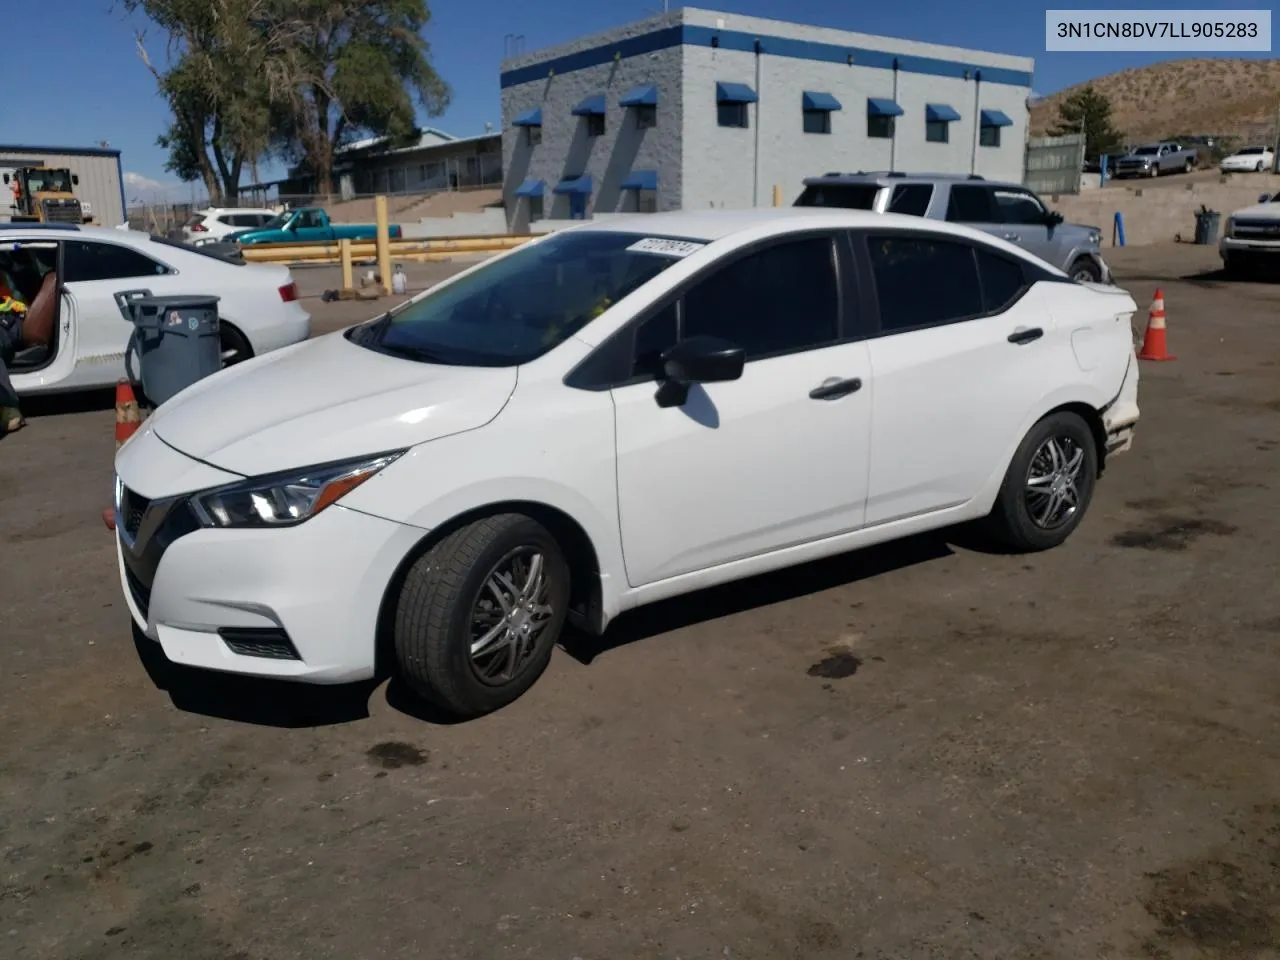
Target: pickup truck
<point>307,225</point>
<point>1153,159</point>
<point>1252,237</point>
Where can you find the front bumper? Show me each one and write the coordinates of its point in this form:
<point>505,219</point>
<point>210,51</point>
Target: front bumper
<point>1248,247</point>
<point>299,603</point>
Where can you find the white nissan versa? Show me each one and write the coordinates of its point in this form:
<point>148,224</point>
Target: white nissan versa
<point>612,414</point>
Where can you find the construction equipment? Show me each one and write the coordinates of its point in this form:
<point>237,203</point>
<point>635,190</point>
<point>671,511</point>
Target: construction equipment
<point>44,195</point>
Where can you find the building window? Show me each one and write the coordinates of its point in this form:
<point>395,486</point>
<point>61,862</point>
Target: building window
<point>989,136</point>
<point>595,125</point>
<point>937,131</point>
<point>646,201</point>
<point>535,208</point>
<point>646,116</point>
<point>817,121</point>
<point>533,135</point>
<point>732,115</point>
<point>880,127</point>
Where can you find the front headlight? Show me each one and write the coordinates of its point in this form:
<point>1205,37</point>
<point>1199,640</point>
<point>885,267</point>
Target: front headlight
<point>285,499</point>
<point>1095,237</point>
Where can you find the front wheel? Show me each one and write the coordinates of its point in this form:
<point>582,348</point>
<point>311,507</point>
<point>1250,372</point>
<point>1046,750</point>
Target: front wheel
<point>1048,486</point>
<point>1155,171</point>
<point>233,345</point>
<point>1258,168</point>
<point>1086,270</point>
<point>479,614</point>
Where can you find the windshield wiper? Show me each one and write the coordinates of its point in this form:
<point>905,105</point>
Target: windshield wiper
<point>420,354</point>
<point>371,331</point>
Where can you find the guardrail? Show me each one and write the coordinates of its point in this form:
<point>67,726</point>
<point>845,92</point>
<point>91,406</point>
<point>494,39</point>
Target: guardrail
<point>427,249</point>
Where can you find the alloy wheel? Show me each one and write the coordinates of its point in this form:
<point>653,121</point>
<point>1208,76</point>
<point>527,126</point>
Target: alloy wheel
<point>509,616</point>
<point>1052,487</point>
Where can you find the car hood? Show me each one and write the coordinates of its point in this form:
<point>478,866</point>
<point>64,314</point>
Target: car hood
<point>323,400</point>
<point>1260,211</point>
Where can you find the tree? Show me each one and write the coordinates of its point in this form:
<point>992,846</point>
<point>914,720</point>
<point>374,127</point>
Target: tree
<point>1089,112</point>
<point>217,92</point>
<point>347,67</point>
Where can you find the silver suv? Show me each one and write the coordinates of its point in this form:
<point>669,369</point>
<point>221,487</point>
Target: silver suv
<point>1007,210</point>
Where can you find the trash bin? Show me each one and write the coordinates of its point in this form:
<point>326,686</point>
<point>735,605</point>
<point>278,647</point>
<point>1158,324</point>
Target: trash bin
<point>175,341</point>
<point>1207,225</point>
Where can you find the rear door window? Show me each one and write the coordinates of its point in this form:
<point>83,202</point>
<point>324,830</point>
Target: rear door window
<point>911,199</point>
<point>969,204</point>
<point>923,281</point>
<point>1002,281</point>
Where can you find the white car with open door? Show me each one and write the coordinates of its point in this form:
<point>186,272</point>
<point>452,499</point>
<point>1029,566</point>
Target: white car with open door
<point>613,414</point>
<point>75,272</point>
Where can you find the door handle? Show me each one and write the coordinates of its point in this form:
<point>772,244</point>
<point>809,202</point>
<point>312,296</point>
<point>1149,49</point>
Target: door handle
<point>1025,335</point>
<point>1013,237</point>
<point>833,388</point>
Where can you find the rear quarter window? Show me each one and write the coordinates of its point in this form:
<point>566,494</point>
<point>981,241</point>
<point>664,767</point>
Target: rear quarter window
<point>923,281</point>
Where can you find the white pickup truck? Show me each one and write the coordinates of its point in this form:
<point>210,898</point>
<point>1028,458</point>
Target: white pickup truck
<point>1252,236</point>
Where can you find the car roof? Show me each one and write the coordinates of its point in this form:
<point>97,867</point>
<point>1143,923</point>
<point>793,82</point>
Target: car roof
<point>709,226</point>
<point>884,178</point>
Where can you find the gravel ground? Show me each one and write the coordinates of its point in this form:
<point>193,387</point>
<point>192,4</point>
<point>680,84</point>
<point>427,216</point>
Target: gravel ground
<point>921,750</point>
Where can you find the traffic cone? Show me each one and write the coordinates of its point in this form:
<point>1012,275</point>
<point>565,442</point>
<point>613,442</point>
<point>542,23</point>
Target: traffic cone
<point>109,518</point>
<point>1154,344</point>
<point>128,416</point>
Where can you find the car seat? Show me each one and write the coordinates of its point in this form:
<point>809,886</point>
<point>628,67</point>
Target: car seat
<point>37,325</point>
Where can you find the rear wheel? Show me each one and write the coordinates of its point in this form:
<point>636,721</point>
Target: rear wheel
<point>233,344</point>
<point>479,614</point>
<point>1048,486</point>
<point>1190,165</point>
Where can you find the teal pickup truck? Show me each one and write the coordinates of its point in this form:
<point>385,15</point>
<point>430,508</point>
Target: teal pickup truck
<point>307,225</point>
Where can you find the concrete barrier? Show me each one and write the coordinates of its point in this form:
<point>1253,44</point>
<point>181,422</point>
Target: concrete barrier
<point>1162,213</point>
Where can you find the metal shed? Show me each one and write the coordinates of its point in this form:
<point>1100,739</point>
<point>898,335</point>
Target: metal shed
<point>101,186</point>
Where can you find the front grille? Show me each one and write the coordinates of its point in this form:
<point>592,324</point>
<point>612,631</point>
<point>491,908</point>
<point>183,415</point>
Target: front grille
<point>269,643</point>
<point>60,212</point>
<point>132,508</point>
<point>1257,229</point>
<point>139,591</point>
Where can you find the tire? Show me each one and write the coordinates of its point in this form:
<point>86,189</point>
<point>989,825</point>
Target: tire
<point>1014,518</point>
<point>1086,269</point>
<point>1258,168</point>
<point>233,344</point>
<point>446,599</point>
<point>1155,170</point>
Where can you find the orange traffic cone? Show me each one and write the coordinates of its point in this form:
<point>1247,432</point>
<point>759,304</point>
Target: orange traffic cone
<point>1154,344</point>
<point>109,518</point>
<point>128,416</point>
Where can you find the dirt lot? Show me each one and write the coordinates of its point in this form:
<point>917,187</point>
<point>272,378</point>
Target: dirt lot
<point>918,751</point>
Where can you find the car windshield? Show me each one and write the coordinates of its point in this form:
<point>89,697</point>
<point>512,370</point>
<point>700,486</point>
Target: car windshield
<point>1146,151</point>
<point>516,308</point>
<point>275,223</point>
<point>847,196</point>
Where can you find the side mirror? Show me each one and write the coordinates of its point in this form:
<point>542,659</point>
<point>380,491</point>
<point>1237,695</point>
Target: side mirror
<point>1053,218</point>
<point>698,360</point>
<point>75,180</point>
<point>1262,197</point>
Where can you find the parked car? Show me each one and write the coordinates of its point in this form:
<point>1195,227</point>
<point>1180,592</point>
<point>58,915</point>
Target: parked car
<point>1252,236</point>
<point>75,273</point>
<point>1248,159</point>
<point>1153,159</point>
<point>218,223</point>
<point>308,225</point>
<point>1007,210</point>
<point>616,413</point>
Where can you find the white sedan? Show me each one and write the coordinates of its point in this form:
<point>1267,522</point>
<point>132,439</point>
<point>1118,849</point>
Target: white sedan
<point>69,277</point>
<point>1248,160</point>
<point>610,415</point>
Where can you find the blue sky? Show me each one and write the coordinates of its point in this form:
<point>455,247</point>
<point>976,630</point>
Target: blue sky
<point>92,86</point>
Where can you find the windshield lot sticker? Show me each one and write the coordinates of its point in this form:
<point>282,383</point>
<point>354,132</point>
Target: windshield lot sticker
<point>665,248</point>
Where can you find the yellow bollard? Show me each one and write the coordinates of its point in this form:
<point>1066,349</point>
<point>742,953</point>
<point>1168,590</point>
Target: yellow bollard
<point>344,254</point>
<point>383,243</point>
<point>777,195</point>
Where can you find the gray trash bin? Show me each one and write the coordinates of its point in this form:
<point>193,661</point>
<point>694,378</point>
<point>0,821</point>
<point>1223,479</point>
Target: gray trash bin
<point>1207,225</point>
<point>175,341</point>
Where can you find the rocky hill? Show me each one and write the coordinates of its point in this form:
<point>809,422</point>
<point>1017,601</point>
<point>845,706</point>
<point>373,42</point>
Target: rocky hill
<point>1225,97</point>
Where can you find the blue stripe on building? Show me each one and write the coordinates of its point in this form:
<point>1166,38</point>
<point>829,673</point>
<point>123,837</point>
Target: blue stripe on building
<point>686,35</point>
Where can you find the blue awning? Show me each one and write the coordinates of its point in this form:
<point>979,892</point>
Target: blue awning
<point>530,118</point>
<point>641,180</point>
<point>645,96</point>
<point>735,93</point>
<point>531,188</point>
<point>882,107</point>
<point>940,113</point>
<point>592,106</point>
<point>994,118</point>
<point>580,184</point>
<point>816,100</point>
